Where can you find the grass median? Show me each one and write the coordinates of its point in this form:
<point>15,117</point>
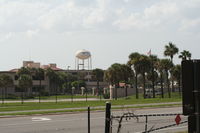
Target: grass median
<point>8,107</point>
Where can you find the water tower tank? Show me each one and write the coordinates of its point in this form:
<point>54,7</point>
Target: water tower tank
<point>83,54</point>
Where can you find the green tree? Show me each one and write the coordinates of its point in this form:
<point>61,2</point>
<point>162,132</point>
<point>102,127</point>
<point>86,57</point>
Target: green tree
<point>5,82</point>
<point>133,59</point>
<point>68,79</point>
<point>153,59</point>
<point>144,65</point>
<point>177,76</point>
<point>167,65</point>
<point>98,75</point>
<point>171,50</point>
<point>78,84</point>
<point>127,75</point>
<point>160,67</point>
<point>39,74</point>
<point>24,82</point>
<point>114,75</point>
<point>185,55</point>
<point>24,70</point>
<point>52,77</point>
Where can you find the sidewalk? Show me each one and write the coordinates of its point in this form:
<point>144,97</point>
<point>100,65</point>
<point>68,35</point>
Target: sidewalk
<point>98,107</point>
<point>53,100</point>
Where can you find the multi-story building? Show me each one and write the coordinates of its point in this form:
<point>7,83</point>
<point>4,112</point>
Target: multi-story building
<point>88,77</point>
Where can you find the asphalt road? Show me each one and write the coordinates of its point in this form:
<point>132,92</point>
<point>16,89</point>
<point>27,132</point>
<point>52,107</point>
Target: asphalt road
<point>77,123</point>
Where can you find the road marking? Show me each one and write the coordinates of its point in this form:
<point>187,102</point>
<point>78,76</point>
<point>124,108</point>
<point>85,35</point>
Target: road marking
<point>40,119</point>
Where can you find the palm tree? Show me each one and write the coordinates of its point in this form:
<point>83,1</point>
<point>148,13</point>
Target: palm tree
<point>98,74</point>
<point>5,82</point>
<point>39,73</point>
<point>144,65</point>
<point>51,76</point>
<point>167,65</point>
<point>113,76</point>
<point>171,50</point>
<point>185,55</point>
<point>177,75</point>
<point>56,80</point>
<point>133,58</point>
<point>153,59</point>
<point>160,67</point>
<point>153,77</point>
<point>26,71</point>
<point>127,75</point>
<point>25,82</point>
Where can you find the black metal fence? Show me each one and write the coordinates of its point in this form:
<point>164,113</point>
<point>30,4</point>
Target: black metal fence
<point>55,96</point>
<point>130,122</point>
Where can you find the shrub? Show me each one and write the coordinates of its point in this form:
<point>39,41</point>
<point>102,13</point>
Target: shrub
<point>106,96</point>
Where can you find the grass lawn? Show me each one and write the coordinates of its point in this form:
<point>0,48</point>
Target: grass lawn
<point>52,105</point>
<point>52,97</point>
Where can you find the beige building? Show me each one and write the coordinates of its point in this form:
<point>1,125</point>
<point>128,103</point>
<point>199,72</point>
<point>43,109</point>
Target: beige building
<point>90,83</point>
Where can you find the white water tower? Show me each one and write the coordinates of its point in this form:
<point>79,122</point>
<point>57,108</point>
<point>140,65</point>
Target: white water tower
<point>83,60</point>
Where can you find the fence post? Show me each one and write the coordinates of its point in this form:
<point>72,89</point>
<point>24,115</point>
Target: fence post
<point>88,119</point>
<point>146,124</point>
<point>108,116</point>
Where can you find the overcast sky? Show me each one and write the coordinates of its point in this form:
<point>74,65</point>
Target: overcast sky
<point>51,31</point>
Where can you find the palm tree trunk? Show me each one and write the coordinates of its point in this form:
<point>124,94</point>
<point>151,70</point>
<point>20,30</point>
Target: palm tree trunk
<point>126,93</point>
<point>116,86</point>
<point>161,83</point>
<point>168,86</point>
<point>173,89</point>
<point>153,79</point>
<point>6,93</point>
<point>153,84</point>
<point>98,92</point>
<point>136,88</point>
<point>22,97</point>
<point>98,89</point>
<point>2,95</point>
<point>56,96</point>
<point>40,91</point>
<point>144,87</point>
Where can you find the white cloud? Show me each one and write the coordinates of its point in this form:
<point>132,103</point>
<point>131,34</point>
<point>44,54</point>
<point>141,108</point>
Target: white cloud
<point>96,15</point>
<point>153,16</point>
<point>4,37</point>
<point>161,10</point>
<point>190,25</point>
<point>31,33</point>
<point>72,15</point>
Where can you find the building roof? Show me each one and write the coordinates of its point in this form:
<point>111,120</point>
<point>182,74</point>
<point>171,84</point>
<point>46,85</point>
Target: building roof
<point>53,68</point>
<point>14,70</point>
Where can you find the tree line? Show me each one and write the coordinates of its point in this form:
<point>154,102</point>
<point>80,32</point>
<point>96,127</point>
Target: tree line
<point>141,69</point>
<point>59,82</point>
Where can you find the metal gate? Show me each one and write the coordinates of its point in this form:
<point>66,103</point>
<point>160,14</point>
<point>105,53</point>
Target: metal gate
<point>130,122</point>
